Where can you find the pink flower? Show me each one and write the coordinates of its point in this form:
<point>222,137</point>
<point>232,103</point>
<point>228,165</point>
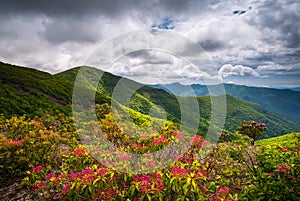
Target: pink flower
<point>79,151</point>
<point>101,172</point>
<point>39,186</point>
<point>203,189</point>
<point>215,197</point>
<point>179,135</point>
<point>137,146</point>
<point>197,141</point>
<point>65,189</point>
<point>148,184</point>
<point>49,176</point>
<point>123,157</point>
<point>37,168</point>
<point>160,140</point>
<point>223,191</point>
<point>178,172</point>
<point>269,174</point>
<point>283,168</point>
<point>284,149</point>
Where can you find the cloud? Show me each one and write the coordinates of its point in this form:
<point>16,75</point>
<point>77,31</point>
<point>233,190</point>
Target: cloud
<point>54,36</point>
<point>237,70</point>
<point>154,67</point>
<point>281,19</point>
<point>273,68</point>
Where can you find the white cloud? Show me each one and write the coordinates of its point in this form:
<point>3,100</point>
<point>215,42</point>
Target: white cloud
<point>273,68</point>
<point>155,67</point>
<point>237,70</point>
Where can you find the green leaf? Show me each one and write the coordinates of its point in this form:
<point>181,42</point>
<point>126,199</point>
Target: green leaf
<point>73,186</point>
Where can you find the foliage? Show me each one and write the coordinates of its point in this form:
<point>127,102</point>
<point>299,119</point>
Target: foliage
<point>32,92</point>
<point>53,163</point>
<point>252,129</point>
<point>25,142</point>
<point>46,151</point>
<point>277,174</point>
<point>282,101</point>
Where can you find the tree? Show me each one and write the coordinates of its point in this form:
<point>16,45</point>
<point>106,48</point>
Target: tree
<point>252,129</point>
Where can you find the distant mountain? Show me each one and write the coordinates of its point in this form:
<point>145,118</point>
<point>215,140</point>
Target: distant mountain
<point>283,101</point>
<point>32,92</point>
<point>295,89</point>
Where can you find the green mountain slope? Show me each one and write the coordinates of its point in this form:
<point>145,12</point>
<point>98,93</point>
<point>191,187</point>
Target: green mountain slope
<point>29,91</point>
<point>283,101</point>
<point>289,140</point>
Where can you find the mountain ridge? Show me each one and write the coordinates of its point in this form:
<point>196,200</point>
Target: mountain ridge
<point>32,92</point>
<point>283,101</point>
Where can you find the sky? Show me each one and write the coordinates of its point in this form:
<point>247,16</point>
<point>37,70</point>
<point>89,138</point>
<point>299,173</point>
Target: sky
<point>250,42</point>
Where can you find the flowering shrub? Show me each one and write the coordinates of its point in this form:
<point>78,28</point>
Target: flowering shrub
<point>278,170</point>
<point>58,167</point>
<point>252,129</point>
<point>25,143</point>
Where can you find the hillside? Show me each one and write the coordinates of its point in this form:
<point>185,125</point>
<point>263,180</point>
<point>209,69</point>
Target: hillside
<point>289,140</point>
<point>282,101</point>
<point>31,92</point>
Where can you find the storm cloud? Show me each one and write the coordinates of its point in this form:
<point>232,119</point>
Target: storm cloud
<point>263,42</point>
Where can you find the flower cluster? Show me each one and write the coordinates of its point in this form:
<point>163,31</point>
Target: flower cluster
<point>37,168</point>
<point>252,129</point>
<point>179,172</point>
<point>197,141</point>
<point>147,184</point>
<point>283,168</point>
<point>221,193</point>
<point>158,141</point>
<point>79,151</point>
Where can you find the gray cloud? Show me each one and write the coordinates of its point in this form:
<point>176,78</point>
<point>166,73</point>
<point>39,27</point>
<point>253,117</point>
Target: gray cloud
<point>66,7</point>
<point>56,35</point>
<point>57,31</point>
<point>280,16</point>
<point>212,45</point>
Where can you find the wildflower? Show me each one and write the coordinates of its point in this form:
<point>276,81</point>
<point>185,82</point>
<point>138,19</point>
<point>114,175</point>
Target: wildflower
<point>283,168</point>
<point>123,157</point>
<point>269,174</point>
<point>101,172</point>
<point>223,191</point>
<point>37,168</point>
<point>179,135</point>
<point>79,151</point>
<point>65,189</point>
<point>203,190</point>
<point>201,172</point>
<point>50,176</point>
<point>284,149</point>
<point>160,140</point>
<point>197,141</point>
<point>137,146</point>
<point>178,172</point>
<point>215,197</point>
<point>39,186</point>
